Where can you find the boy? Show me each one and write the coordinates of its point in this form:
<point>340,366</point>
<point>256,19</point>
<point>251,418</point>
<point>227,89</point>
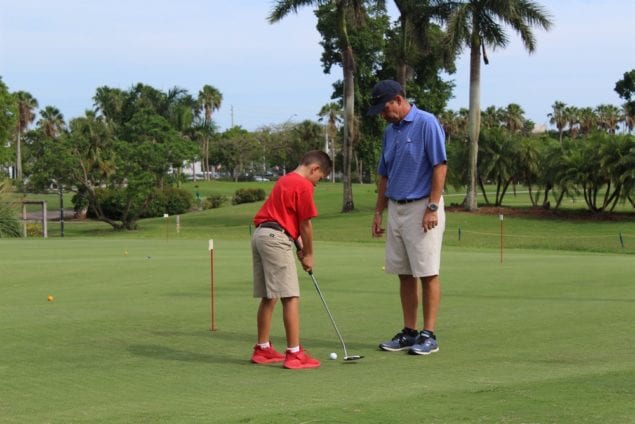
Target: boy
<point>284,220</point>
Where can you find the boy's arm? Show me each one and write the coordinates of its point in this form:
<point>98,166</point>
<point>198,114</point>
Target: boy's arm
<point>306,234</point>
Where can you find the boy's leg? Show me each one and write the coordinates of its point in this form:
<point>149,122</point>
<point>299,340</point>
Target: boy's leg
<point>291,318</point>
<point>265,312</point>
<point>295,359</point>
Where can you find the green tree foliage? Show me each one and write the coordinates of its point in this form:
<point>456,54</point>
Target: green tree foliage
<point>26,105</point>
<point>498,152</point>
<point>625,88</point>
<point>8,122</point>
<point>119,156</point>
<point>479,25</point>
<point>9,226</point>
<point>237,151</point>
<point>210,100</point>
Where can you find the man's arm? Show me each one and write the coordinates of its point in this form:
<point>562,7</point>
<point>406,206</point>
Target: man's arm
<point>430,218</point>
<point>380,205</point>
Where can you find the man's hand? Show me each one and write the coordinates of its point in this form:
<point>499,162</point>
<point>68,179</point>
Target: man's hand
<point>430,220</point>
<point>376,229</point>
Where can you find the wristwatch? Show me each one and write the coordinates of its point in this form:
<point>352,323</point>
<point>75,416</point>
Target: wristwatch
<point>433,207</point>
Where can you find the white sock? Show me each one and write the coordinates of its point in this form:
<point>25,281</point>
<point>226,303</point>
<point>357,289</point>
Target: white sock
<point>266,345</point>
<point>294,349</point>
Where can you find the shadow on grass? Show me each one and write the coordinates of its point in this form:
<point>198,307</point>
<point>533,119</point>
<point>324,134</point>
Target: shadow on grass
<point>169,354</point>
<point>542,298</point>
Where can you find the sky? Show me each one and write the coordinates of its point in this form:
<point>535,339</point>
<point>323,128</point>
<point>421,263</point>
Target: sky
<point>61,51</point>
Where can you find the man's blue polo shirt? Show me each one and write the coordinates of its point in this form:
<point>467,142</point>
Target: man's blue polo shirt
<point>410,150</point>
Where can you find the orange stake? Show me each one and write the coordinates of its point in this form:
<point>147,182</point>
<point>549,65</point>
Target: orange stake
<point>211,284</point>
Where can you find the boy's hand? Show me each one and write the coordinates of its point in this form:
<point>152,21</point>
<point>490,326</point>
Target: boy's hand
<point>306,261</point>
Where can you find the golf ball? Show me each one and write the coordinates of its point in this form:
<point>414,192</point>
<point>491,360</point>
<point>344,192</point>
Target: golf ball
<point>50,298</point>
<point>333,355</point>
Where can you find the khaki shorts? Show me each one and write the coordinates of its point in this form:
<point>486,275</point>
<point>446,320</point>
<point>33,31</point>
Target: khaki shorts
<point>409,249</point>
<point>274,269</point>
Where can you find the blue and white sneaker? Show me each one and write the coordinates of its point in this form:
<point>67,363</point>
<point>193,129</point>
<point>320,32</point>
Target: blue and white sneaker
<point>424,345</point>
<point>401,341</point>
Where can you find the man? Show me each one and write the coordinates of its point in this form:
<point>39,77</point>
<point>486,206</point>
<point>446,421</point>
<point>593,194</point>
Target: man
<point>283,218</point>
<point>412,171</point>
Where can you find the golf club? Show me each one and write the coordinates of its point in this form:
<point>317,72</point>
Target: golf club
<point>347,357</point>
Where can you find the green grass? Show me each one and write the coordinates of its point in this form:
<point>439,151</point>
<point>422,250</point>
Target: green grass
<point>543,337</point>
<point>477,230</point>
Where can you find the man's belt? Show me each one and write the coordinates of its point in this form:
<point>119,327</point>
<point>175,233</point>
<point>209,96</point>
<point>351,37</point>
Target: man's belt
<point>404,201</point>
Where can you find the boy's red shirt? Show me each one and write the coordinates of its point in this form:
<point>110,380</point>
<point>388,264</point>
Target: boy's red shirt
<point>290,202</point>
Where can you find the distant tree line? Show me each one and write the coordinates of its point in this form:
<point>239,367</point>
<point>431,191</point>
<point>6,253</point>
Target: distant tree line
<point>135,142</point>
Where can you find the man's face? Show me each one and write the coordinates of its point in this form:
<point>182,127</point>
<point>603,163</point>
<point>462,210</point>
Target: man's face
<point>392,111</point>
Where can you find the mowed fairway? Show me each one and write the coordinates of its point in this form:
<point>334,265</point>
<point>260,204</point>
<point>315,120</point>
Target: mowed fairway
<point>544,337</point>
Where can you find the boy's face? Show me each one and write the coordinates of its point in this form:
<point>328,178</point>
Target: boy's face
<point>316,174</point>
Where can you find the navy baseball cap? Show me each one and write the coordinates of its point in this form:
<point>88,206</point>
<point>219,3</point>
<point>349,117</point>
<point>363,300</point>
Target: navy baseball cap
<point>383,92</point>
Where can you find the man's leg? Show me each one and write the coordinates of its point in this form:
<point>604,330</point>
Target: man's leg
<point>409,293</point>
<point>265,312</point>
<point>431,301</point>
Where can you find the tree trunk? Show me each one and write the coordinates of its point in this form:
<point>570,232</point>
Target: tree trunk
<point>349,128</point>
<point>474,120</point>
<point>480,183</point>
<point>18,157</point>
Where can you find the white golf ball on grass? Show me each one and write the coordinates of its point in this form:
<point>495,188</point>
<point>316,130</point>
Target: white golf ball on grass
<point>333,355</point>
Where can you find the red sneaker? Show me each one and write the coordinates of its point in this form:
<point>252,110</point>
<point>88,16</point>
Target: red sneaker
<point>266,356</point>
<point>300,360</point>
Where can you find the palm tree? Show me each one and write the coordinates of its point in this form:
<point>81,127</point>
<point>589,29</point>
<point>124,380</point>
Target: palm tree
<point>608,117</point>
<point>490,117</point>
<point>109,103</point>
<point>628,115</point>
<point>478,24</point>
<point>343,9</point>
<point>449,120</point>
<point>414,18</point>
<point>558,117</point>
<point>26,105</point>
<point>332,113</point>
<point>513,117</point>
<point>210,99</point>
<point>572,113</point>
<point>587,119</point>
<point>51,121</point>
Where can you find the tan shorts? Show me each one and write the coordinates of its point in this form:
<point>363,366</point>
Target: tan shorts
<point>409,249</point>
<point>274,269</point>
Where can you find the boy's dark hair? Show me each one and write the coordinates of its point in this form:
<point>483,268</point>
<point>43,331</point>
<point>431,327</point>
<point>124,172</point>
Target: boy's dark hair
<point>320,158</point>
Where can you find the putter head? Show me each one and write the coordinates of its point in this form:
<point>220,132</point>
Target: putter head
<point>352,357</point>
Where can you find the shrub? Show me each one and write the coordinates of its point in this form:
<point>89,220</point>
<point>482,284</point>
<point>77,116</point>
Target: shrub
<point>173,201</point>
<point>248,195</point>
<point>9,226</point>
<point>34,229</point>
<point>214,201</point>
<point>111,202</point>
